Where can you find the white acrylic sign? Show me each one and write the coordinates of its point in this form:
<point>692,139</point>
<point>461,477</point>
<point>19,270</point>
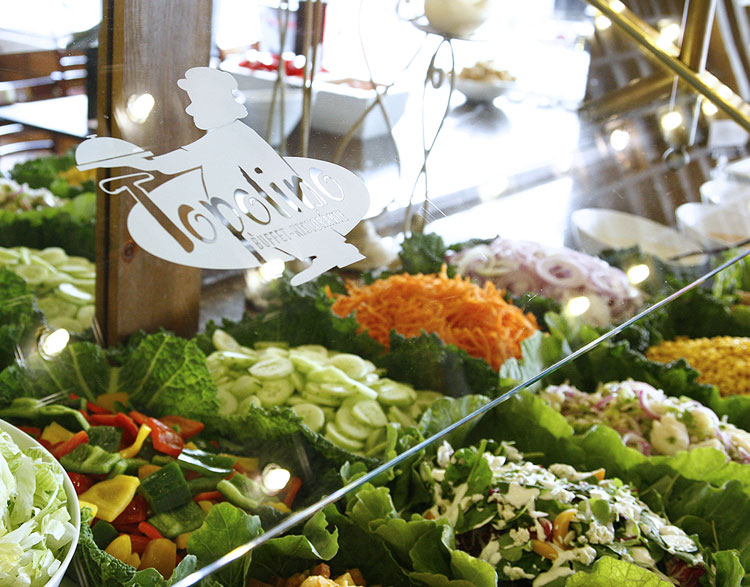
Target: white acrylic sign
<point>234,203</point>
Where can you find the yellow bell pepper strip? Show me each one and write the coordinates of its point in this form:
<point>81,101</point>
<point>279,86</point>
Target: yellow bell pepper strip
<point>54,433</point>
<point>134,560</point>
<point>120,548</point>
<point>112,496</point>
<point>544,549</point>
<point>160,554</point>
<point>182,540</point>
<point>107,400</point>
<point>93,507</point>
<point>206,505</point>
<point>131,451</point>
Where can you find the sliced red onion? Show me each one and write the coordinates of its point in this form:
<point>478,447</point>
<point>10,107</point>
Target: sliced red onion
<point>643,400</point>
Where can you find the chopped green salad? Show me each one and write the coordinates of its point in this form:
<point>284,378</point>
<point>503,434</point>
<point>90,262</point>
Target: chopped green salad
<point>649,420</point>
<point>545,524</point>
<point>36,525</point>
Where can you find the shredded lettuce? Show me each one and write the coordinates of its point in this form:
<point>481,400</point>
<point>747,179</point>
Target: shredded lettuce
<point>35,523</point>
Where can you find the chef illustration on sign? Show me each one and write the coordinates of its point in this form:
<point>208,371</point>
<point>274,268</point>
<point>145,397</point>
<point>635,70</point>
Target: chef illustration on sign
<point>234,203</point>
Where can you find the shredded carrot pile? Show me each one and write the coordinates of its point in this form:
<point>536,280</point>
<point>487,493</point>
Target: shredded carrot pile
<point>476,319</point>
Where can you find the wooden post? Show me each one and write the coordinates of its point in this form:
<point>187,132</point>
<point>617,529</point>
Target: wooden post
<point>145,46</point>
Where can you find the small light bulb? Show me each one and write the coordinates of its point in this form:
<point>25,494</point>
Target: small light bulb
<point>638,273</point>
<point>601,22</point>
<point>578,305</point>
<point>619,139</point>
<point>709,108</point>
<point>671,120</point>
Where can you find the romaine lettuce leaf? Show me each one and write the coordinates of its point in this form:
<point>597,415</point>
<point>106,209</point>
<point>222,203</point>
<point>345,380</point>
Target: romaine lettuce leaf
<point>225,528</point>
<point>616,573</point>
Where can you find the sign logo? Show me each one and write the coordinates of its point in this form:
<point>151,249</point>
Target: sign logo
<point>233,203</point>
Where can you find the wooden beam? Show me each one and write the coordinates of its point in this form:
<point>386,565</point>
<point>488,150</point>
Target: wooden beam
<point>145,46</point>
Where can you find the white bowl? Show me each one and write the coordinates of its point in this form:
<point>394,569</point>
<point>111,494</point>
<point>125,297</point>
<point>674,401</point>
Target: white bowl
<point>719,226</point>
<point>482,91</point>
<point>258,104</point>
<point>720,191</point>
<point>24,441</point>
<point>338,106</point>
<point>597,229</point>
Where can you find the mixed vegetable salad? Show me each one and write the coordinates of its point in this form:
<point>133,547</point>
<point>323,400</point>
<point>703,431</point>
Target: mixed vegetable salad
<point>649,420</point>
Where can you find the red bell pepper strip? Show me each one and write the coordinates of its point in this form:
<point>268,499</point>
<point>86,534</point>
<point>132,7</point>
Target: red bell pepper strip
<point>119,420</point>
<point>134,513</point>
<point>138,543</point>
<point>94,409</point>
<point>139,418</point>
<point>149,530</point>
<point>164,439</point>
<point>292,488</point>
<point>63,448</point>
<point>73,396</point>
<point>80,482</point>
<point>208,496</point>
<point>185,427</point>
<point>31,431</point>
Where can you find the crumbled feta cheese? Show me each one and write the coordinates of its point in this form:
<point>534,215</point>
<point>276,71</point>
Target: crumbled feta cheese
<point>520,536</point>
<point>676,539</point>
<point>491,553</point>
<point>599,534</point>
<point>519,496</point>
<point>444,454</point>
<point>516,573</point>
<point>438,475</point>
<point>495,463</point>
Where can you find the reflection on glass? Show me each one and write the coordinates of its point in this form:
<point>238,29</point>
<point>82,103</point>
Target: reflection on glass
<point>619,139</point>
<point>272,270</point>
<point>671,121</point>
<point>53,343</point>
<point>578,306</point>
<point>638,274</point>
<point>139,107</point>
<point>275,479</point>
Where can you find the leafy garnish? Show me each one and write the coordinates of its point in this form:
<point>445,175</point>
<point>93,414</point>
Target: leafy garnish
<point>18,317</point>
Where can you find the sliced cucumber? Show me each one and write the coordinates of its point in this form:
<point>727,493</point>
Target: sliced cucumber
<point>232,359</point>
<point>354,366</point>
<point>376,437</point>
<point>264,344</point>
<point>369,413</point>
<point>70,293</point>
<point>245,404</point>
<point>53,307</point>
<point>314,350</point>
<point>275,392</point>
<point>400,417</point>
<point>69,324</point>
<point>312,416</point>
<point>392,393</point>
<point>8,256</point>
<point>32,274</point>
<point>313,394</point>
<point>340,439</point>
<point>273,368</point>
<point>298,380</point>
<point>349,426</point>
<point>304,362</point>
<point>272,352</point>
<point>86,314</point>
<point>227,402</point>
<point>244,386</point>
<point>54,255</point>
<point>376,450</point>
<point>224,341</point>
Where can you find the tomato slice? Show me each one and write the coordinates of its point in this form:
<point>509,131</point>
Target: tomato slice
<point>80,481</point>
<point>134,513</point>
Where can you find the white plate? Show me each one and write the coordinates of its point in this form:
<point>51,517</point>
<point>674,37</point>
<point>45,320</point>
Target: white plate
<point>24,441</point>
<point>597,229</point>
<point>720,191</point>
<point>739,170</point>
